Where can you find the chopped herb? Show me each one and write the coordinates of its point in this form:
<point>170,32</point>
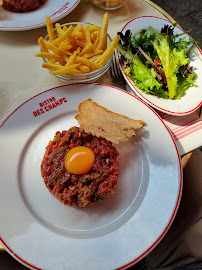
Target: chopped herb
<point>99,198</point>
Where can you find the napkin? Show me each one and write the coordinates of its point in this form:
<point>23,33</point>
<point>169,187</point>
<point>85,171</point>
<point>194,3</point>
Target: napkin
<point>186,130</point>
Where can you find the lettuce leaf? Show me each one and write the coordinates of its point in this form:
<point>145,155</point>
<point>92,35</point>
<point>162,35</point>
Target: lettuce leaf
<point>142,76</point>
<point>139,72</point>
<point>184,83</point>
<point>171,60</point>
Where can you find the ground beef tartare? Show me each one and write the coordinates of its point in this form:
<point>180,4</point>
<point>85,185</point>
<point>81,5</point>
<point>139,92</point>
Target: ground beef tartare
<point>22,5</point>
<point>80,190</point>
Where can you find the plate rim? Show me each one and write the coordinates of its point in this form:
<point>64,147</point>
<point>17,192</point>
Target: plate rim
<point>178,199</point>
<point>137,90</point>
<point>35,26</point>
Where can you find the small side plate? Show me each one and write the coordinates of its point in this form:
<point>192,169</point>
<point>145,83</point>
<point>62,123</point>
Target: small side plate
<point>56,10</point>
<point>193,97</point>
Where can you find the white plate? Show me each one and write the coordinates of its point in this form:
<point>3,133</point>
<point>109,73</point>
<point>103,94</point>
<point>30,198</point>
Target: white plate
<point>193,98</point>
<point>56,10</point>
<point>42,233</point>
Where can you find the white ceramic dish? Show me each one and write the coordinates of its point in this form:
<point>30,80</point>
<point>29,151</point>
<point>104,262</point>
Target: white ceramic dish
<point>56,10</point>
<point>193,98</point>
<point>42,233</point>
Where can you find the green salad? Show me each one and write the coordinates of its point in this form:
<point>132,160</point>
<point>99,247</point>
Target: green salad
<point>156,62</point>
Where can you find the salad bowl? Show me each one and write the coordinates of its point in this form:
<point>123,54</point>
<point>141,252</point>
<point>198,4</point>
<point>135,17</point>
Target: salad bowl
<point>192,98</point>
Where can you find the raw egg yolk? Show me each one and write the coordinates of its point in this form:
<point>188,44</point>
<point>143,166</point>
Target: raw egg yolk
<point>79,160</point>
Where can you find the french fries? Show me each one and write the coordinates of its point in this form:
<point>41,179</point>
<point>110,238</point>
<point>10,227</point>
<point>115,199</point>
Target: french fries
<point>103,33</point>
<point>49,26</point>
<point>76,50</point>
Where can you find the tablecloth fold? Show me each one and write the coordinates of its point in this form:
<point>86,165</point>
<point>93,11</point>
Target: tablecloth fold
<point>186,130</point>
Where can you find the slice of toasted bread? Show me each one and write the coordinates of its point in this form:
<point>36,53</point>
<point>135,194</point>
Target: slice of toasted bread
<point>101,122</point>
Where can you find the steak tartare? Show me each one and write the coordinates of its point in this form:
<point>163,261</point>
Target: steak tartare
<point>22,5</point>
<point>80,190</point>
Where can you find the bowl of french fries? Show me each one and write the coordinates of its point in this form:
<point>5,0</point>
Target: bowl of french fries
<point>109,4</point>
<point>77,51</point>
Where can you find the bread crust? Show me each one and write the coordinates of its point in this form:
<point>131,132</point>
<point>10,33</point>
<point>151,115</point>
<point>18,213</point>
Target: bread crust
<point>101,122</point>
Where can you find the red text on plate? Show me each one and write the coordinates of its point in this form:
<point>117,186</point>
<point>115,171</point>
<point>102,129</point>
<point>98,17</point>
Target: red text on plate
<point>48,105</point>
<point>61,9</point>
